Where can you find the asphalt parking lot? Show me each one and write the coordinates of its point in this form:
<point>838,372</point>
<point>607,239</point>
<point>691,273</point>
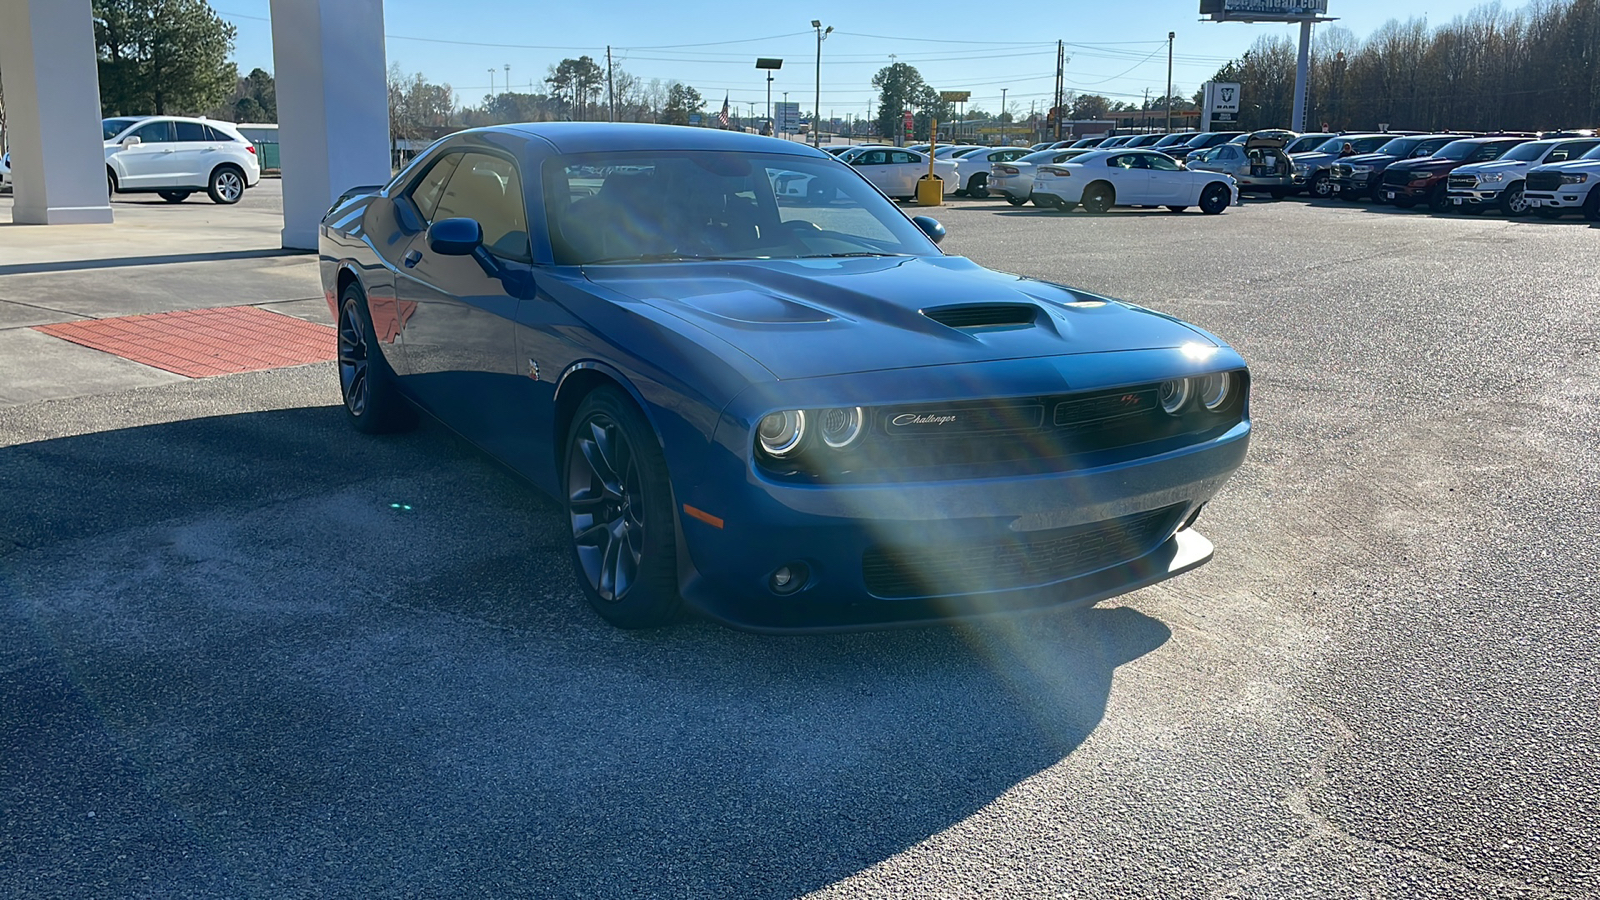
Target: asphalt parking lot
<point>252,654</point>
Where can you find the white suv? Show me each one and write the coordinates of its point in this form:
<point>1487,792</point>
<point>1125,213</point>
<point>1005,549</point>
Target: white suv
<point>174,157</point>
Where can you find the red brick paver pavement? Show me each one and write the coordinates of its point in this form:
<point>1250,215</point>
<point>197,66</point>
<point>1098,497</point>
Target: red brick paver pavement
<point>202,342</point>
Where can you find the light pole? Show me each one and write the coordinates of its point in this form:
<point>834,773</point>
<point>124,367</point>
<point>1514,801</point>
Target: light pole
<point>508,78</point>
<point>816,110</point>
<point>491,81</point>
<point>1003,116</point>
<point>769,63</point>
<point>1170,36</point>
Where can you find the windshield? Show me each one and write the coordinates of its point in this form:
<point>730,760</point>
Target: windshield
<point>113,127</point>
<point>671,206</point>
<point>1529,152</point>
<point>1456,150</point>
<point>1592,154</point>
<point>1399,147</point>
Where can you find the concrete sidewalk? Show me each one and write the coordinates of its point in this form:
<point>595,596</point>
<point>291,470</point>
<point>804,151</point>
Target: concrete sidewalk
<point>159,257</point>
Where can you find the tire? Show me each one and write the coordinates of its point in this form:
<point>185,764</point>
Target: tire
<point>1098,198</point>
<point>1512,203</point>
<point>1439,199</point>
<point>1014,201</point>
<point>372,402</point>
<point>1320,187</point>
<point>1214,199</point>
<point>1065,207</point>
<point>978,186</point>
<point>1279,193</point>
<point>175,196</point>
<point>619,505</point>
<point>226,185</point>
<point>1177,209</point>
<point>111,183</point>
<point>1591,206</point>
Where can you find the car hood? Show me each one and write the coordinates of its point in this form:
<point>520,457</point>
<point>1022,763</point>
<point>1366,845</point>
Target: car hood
<point>1426,164</point>
<point>1368,159</point>
<point>1499,165</point>
<point>1571,165</point>
<point>815,317</point>
<point>1313,157</point>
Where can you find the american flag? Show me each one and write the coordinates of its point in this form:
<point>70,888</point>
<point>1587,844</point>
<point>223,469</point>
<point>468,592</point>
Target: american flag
<point>722,117</point>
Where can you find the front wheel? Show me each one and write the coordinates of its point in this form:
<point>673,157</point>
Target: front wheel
<point>372,402</point>
<point>1439,199</point>
<point>619,504</point>
<point>1321,187</point>
<point>1512,203</point>
<point>1098,198</point>
<point>1214,199</point>
<point>227,186</point>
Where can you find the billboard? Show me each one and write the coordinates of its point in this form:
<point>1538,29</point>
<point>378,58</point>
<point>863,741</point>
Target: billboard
<point>1262,10</point>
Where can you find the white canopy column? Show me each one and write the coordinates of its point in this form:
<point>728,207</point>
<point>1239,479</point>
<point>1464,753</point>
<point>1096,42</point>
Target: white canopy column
<point>333,106</point>
<point>52,91</point>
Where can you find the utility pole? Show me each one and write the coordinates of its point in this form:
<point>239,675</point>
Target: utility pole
<point>1061,64</point>
<point>1170,36</point>
<point>816,110</point>
<point>508,78</point>
<point>1003,116</point>
<point>611,89</point>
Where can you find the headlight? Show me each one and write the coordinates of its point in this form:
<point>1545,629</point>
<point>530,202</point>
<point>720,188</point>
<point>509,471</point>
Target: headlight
<point>1302,169</point>
<point>1575,178</point>
<point>1418,179</point>
<point>780,433</point>
<point>1215,389</point>
<point>1360,170</point>
<point>841,427</point>
<point>1174,394</point>
<point>1491,178</point>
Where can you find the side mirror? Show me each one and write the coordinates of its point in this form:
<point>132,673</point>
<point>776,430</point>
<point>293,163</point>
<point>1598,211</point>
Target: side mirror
<point>930,227</point>
<point>132,140</point>
<point>455,237</point>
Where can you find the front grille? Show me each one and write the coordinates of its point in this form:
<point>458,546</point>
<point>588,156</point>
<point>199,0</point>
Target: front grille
<point>1342,171</point>
<point>1543,181</point>
<point>986,315</point>
<point>1025,560</point>
<point>1464,182</point>
<point>1400,177</point>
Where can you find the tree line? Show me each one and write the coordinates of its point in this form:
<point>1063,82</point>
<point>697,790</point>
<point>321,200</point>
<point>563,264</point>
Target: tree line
<point>1537,68</point>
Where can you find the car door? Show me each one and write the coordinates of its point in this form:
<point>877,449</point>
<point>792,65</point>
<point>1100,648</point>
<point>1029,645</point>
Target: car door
<point>1129,173</point>
<point>458,338</point>
<point>192,143</point>
<point>144,165</point>
<point>908,167</point>
<point>1169,185</point>
<point>874,166</point>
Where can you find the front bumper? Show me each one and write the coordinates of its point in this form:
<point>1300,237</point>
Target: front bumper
<point>1392,192</point>
<point>1477,197</point>
<point>1355,184</point>
<point>833,530</point>
<point>1562,199</point>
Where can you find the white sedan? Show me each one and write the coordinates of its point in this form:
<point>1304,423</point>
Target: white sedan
<point>1014,180</point>
<point>895,170</point>
<point>1102,179</point>
<point>977,167</point>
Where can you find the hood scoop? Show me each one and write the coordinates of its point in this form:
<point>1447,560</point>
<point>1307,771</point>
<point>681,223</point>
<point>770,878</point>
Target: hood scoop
<point>977,316</point>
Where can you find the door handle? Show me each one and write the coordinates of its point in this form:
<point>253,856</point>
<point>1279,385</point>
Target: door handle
<point>412,258</point>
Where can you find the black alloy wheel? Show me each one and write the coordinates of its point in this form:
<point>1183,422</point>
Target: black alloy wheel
<point>978,186</point>
<point>1512,203</point>
<point>1214,199</point>
<point>175,196</point>
<point>372,403</point>
<point>1098,198</point>
<point>227,185</point>
<point>619,504</point>
<point>1321,187</point>
<point>1439,199</point>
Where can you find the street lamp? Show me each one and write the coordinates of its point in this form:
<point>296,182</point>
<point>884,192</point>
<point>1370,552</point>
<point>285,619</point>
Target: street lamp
<point>768,63</point>
<point>1170,36</point>
<point>1003,116</point>
<point>491,81</point>
<point>816,110</point>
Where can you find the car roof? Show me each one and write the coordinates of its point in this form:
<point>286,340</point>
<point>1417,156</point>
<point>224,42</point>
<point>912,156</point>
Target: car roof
<point>593,137</point>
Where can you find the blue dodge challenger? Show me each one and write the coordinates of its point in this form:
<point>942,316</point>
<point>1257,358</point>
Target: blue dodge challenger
<point>760,391</point>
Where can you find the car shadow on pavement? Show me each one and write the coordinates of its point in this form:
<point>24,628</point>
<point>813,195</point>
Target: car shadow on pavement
<point>259,655</point>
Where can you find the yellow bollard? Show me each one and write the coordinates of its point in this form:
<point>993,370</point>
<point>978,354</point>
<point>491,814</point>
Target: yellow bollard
<point>930,191</point>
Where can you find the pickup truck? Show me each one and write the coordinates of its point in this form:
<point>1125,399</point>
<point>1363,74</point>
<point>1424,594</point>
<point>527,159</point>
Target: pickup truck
<point>1501,184</point>
<point>1311,169</point>
<point>1413,181</point>
<point>1559,188</point>
<point>1356,176</point>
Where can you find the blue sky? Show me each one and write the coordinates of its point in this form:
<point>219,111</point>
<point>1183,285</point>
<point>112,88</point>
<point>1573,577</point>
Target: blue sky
<point>1120,47</point>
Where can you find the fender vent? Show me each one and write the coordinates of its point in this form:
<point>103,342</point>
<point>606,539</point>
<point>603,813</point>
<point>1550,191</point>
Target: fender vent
<point>987,315</point>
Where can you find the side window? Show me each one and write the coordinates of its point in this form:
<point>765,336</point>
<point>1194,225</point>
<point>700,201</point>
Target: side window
<point>873,158</point>
<point>214,136</point>
<point>191,131</point>
<point>426,193</point>
<point>900,156</point>
<point>1162,163</point>
<point>1564,152</point>
<point>1491,151</point>
<point>154,133</point>
<point>488,189</point>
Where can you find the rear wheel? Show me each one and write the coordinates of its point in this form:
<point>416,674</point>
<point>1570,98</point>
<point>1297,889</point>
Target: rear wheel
<point>227,185</point>
<point>619,504</point>
<point>372,402</point>
<point>111,183</point>
<point>1098,198</point>
<point>1320,187</point>
<point>978,186</point>
<point>1512,203</point>
<point>1214,199</point>
<point>175,196</point>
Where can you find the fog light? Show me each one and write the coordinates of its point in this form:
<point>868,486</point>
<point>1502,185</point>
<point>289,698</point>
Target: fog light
<point>788,579</point>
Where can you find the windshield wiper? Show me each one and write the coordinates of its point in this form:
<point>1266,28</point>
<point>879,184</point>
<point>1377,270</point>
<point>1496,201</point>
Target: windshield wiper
<point>657,257</point>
